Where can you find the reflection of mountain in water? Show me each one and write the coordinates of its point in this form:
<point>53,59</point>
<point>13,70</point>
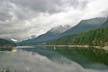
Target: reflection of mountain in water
<point>23,61</point>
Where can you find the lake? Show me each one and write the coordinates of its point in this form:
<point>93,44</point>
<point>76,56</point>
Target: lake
<point>44,59</point>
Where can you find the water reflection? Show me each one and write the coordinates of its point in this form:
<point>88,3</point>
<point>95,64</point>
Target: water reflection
<point>48,60</point>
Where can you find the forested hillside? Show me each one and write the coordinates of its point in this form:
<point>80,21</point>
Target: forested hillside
<point>97,37</point>
<point>61,31</point>
<point>6,44</point>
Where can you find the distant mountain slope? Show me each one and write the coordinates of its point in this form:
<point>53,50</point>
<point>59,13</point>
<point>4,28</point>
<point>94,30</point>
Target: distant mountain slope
<point>54,33</point>
<point>6,44</point>
<point>106,23</point>
<point>60,31</point>
<point>86,25</point>
<point>97,37</point>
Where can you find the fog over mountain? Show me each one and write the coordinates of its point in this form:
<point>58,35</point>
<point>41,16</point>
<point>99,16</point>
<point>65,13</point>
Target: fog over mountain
<point>20,19</point>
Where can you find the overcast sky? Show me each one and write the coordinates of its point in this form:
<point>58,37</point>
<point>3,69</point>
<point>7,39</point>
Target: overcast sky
<point>20,19</point>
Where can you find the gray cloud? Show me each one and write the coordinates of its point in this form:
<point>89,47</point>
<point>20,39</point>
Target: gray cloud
<point>20,19</point>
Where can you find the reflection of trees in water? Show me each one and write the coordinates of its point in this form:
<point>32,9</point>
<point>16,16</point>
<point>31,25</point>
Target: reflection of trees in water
<point>23,60</point>
<point>96,55</point>
<point>82,55</point>
<point>5,70</point>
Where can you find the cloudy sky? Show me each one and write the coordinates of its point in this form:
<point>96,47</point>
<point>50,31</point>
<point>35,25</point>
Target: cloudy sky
<point>20,19</point>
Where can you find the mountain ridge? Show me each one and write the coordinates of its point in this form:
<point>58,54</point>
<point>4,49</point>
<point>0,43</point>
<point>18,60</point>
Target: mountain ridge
<point>83,26</point>
<point>86,25</point>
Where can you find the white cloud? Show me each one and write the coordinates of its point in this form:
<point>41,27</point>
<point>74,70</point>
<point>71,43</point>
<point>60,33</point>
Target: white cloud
<point>21,19</point>
<point>95,8</point>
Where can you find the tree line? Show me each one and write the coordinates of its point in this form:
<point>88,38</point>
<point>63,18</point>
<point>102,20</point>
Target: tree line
<point>97,37</point>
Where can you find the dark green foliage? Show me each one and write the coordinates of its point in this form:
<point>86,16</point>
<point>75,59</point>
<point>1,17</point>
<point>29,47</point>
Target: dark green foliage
<point>6,44</point>
<point>5,70</point>
<point>96,55</point>
<point>85,55</point>
<point>98,37</point>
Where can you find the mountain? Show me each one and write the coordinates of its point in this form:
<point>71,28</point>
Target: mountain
<point>97,37</point>
<point>57,32</point>
<point>106,23</point>
<point>6,44</point>
<point>53,33</point>
<point>86,25</point>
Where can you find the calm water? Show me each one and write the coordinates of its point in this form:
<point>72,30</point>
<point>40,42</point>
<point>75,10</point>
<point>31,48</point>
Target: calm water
<point>50,60</point>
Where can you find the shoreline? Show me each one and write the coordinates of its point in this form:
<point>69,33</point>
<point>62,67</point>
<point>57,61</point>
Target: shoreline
<point>69,46</point>
<point>80,46</point>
